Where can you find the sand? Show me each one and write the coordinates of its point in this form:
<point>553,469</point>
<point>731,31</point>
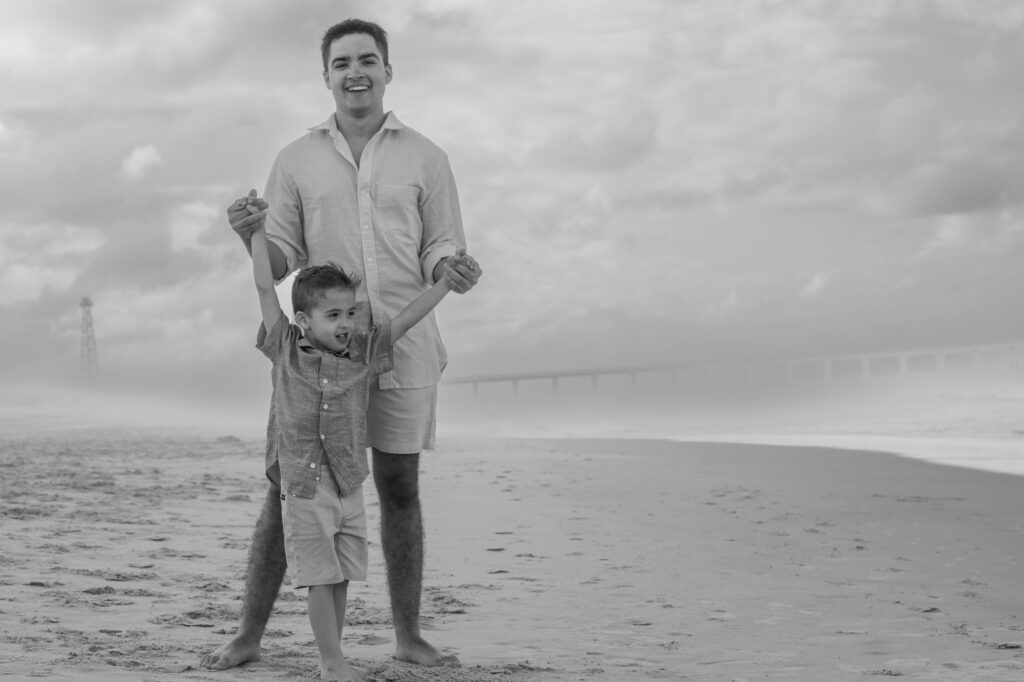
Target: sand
<point>123,556</point>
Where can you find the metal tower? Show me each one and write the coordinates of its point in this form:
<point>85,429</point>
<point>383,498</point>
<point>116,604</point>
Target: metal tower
<point>90,359</point>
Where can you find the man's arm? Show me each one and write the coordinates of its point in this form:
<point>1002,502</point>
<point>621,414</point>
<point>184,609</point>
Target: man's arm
<point>442,234</point>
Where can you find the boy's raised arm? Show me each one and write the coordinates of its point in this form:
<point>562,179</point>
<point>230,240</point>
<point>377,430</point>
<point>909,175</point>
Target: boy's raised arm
<point>418,309</point>
<point>264,278</point>
<point>428,300</point>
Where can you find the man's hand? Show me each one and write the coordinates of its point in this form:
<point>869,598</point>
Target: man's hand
<point>246,215</point>
<point>461,271</point>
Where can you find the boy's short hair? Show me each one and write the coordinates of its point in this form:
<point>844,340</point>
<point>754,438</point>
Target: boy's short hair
<point>312,281</point>
<point>350,26</point>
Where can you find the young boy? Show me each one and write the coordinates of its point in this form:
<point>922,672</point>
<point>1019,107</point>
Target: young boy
<point>322,366</point>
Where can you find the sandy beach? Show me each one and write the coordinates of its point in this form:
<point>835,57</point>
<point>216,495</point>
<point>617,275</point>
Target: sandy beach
<point>548,559</point>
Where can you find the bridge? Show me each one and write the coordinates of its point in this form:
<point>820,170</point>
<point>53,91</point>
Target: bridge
<point>782,371</point>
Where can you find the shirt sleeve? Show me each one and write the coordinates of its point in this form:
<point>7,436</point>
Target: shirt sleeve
<point>379,354</point>
<point>284,216</point>
<point>442,220</point>
<point>272,342</point>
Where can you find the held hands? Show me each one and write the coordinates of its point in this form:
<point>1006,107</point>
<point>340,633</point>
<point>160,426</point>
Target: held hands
<point>247,215</point>
<point>461,271</point>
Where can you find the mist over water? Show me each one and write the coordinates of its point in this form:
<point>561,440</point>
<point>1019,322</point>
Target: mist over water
<point>973,419</point>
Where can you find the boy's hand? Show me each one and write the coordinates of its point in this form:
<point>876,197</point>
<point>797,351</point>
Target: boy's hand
<point>246,215</point>
<point>461,271</point>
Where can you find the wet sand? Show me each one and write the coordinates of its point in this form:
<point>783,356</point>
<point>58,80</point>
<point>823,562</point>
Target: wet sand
<point>123,557</point>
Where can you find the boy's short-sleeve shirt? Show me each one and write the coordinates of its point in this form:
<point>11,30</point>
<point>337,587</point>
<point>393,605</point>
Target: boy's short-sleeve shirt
<point>318,411</point>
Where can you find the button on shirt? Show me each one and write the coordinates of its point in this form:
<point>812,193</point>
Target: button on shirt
<point>319,405</point>
<point>391,219</point>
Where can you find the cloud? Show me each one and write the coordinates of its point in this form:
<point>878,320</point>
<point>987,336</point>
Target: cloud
<point>814,288</point>
<point>706,168</point>
<point>140,161</point>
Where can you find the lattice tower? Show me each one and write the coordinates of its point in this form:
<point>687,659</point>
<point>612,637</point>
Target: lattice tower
<point>90,359</point>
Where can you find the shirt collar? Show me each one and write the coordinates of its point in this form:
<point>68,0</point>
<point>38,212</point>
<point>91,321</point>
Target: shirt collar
<point>352,350</point>
<point>391,122</point>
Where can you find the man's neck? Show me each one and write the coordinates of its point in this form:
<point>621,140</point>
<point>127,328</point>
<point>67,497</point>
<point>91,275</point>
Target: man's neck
<point>359,127</point>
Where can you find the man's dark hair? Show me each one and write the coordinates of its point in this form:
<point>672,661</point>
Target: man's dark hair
<point>350,26</point>
<point>312,282</point>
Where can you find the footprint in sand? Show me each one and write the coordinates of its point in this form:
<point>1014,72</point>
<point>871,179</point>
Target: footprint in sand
<point>373,640</point>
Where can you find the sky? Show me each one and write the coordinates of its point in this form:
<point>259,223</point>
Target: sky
<point>643,181</point>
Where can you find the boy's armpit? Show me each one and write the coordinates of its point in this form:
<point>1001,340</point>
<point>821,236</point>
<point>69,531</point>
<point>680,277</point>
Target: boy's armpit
<point>381,351</point>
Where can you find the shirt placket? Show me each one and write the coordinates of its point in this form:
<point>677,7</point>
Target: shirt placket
<point>323,411</point>
<point>371,263</point>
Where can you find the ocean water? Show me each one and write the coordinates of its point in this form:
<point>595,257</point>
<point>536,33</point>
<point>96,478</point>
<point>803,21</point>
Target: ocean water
<point>973,420</point>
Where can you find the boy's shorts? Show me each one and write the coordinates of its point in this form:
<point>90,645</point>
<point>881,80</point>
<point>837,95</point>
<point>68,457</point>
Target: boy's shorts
<point>325,537</point>
<point>401,420</point>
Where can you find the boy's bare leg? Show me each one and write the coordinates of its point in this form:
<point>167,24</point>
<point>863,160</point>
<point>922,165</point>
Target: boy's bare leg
<point>267,566</point>
<point>401,529</point>
<point>324,616</point>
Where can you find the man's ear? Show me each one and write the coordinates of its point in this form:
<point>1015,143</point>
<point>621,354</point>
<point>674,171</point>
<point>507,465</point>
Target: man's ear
<point>387,74</point>
<point>327,80</point>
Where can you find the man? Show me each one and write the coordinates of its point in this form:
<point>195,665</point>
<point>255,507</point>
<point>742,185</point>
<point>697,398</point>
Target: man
<point>378,198</point>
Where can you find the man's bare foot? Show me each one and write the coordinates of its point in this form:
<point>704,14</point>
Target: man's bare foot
<point>236,652</point>
<point>421,652</point>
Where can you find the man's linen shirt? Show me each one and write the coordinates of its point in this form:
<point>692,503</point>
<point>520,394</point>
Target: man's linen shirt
<point>319,405</point>
<point>391,218</point>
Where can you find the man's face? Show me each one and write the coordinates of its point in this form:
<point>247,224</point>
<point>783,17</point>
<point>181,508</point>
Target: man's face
<point>329,325</point>
<point>356,74</point>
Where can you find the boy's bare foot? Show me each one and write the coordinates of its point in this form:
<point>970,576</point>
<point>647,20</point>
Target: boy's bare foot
<point>421,652</point>
<point>341,671</point>
<point>236,652</point>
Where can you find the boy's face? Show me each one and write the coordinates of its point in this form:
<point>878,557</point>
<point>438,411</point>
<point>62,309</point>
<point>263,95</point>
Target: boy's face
<point>356,74</point>
<point>330,323</point>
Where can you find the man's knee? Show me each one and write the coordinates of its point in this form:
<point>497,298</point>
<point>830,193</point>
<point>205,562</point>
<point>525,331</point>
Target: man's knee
<point>268,535</point>
<point>397,478</point>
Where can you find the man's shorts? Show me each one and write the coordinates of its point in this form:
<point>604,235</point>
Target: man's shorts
<point>401,420</point>
<point>325,537</point>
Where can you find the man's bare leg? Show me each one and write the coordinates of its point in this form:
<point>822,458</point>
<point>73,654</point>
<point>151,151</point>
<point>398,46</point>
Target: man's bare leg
<point>263,579</point>
<point>401,530</point>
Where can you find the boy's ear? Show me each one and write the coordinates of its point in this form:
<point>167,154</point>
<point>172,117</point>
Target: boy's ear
<point>302,320</point>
